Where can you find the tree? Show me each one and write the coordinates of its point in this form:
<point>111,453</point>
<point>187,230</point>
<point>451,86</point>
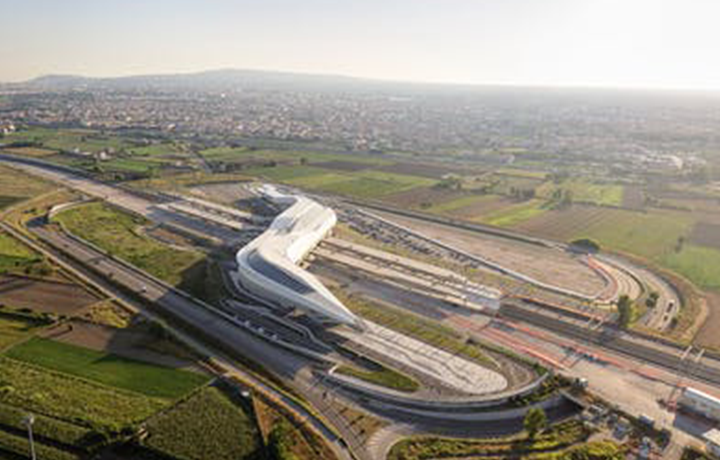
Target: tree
<point>625,311</point>
<point>652,299</point>
<point>535,421</point>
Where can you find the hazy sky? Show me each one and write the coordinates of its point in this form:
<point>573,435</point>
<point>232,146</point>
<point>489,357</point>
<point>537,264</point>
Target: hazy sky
<point>638,43</point>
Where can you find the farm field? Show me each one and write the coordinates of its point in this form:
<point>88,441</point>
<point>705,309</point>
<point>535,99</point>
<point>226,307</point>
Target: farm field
<point>582,191</point>
<point>514,214</point>
<point>425,198</point>
<point>108,369</point>
<point>209,425</point>
<point>136,340</point>
<point>116,232</point>
<point>68,398</point>
<point>699,264</point>
<point>650,234</point>
<point>40,295</point>
<point>706,234</point>
<point>68,139</point>
<point>15,327</point>
<point>16,186</point>
<point>365,183</point>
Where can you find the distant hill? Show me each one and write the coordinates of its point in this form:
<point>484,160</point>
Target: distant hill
<point>208,80</point>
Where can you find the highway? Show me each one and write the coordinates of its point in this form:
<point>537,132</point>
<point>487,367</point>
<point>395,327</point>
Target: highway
<point>180,309</point>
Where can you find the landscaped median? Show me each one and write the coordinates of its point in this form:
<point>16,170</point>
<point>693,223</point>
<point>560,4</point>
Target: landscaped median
<point>564,441</point>
<point>381,376</point>
<point>116,232</point>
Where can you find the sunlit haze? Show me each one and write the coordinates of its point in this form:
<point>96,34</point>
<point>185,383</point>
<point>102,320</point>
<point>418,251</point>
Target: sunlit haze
<point>623,43</point>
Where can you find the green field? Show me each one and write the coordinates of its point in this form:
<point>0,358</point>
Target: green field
<point>45,392</point>
<point>209,425</point>
<point>17,446</point>
<point>69,139</point>
<point>16,186</point>
<point>513,215</point>
<point>362,184</point>
<point>109,369</point>
<point>697,263</point>
<point>45,427</point>
<point>554,442</point>
<point>583,191</point>
<point>117,232</point>
<point>15,256</point>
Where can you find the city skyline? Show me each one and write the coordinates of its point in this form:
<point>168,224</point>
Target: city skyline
<point>639,44</point>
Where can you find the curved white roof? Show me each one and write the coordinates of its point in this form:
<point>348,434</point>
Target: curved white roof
<point>268,265</point>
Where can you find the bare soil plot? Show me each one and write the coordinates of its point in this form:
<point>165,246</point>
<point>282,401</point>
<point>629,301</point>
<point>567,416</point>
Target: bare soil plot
<point>706,234</point>
<point>482,207</point>
<point>547,265</point>
<point>343,165</point>
<point>708,335</point>
<point>633,197</point>
<point>432,171</point>
<point>44,295</point>
<point>421,197</point>
<point>224,192</point>
<point>134,342</point>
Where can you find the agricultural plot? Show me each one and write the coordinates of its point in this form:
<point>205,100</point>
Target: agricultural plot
<point>697,263</point>
<point>16,186</point>
<point>427,170</point>
<point>706,234</point>
<point>426,198</point>
<point>85,140</point>
<point>44,392</point>
<point>116,232</point>
<point>513,215</point>
<point>15,326</point>
<point>209,425</point>
<point>648,234</point>
<point>137,376</point>
<point>46,296</point>
<point>582,191</point>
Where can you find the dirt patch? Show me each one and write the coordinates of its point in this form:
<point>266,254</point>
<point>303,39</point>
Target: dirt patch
<point>167,236</point>
<point>423,197</point>
<point>224,192</point>
<point>342,165</point>
<point>547,265</point>
<point>481,207</point>
<point>633,197</point>
<point>708,336</point>
<point>706,234</point>
<point>135,342</point>
<point>44,295</point>
<point>432,171</point>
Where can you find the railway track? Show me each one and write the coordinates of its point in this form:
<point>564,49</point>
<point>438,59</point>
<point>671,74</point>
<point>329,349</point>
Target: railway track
<point>611,340</point>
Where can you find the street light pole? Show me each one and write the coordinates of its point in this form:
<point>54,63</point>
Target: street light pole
<point>29,420</point>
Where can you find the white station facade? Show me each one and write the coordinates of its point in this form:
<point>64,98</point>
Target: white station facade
<point>268,266</point>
